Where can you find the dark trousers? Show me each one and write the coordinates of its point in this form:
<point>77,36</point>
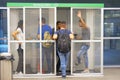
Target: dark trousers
<point>20,62</point>
<point>47,52</point>
<point>58,63</point>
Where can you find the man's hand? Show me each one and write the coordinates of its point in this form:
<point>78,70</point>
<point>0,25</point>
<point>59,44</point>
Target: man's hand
<point>20,43</point>
<point>79,14</point>
<point>38,36</point>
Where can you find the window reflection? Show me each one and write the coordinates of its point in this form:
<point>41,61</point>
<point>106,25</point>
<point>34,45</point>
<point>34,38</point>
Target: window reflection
<point>111,29</point>
<point>3,31</point>
<point>111,23</point>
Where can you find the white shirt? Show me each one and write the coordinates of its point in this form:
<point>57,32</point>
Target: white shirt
<point>20,37</point>
<point>20,34</point>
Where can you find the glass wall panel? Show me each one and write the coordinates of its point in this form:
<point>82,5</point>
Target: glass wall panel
<point>48,14</point>
<point>48,59</point>
<point>86,56</point>
<point>3,31</point>
<point>96,24</point>
<point>17,47</point>
<point>112,52</point>
<point>48,24</point>
<point>18,56</point>
<point>112,37</point>
<point>111,23</point>
<point>92,18</point>
<point>63,14</point>
<point>32,58</point>
<point>16,14</point>
<point>31,23</point>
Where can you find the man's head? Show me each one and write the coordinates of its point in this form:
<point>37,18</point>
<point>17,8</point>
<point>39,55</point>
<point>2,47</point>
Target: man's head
<point>58,24</point>
<point>20,23</point>
<point>43,20</point>
<point>63,24</point>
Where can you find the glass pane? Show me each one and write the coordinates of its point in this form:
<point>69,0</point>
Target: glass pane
<point>112,52</point>
<point>3,31</point>
<point>63,14</point>
<point>31,23</point>
<point>108,29</point>
<point>97,24</point>
<point>32,58</point>
<point>87,58</point>
<point>18,54</point>
<point>76,29</point>
<point>16,15</point>
<point>47,21</point>
<point>92,18</point>
<point>48,59</point>
<point>112,23</point>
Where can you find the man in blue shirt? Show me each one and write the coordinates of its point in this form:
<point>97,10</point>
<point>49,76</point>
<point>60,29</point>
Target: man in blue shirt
<point>46,52</point>
<point>44,28</point>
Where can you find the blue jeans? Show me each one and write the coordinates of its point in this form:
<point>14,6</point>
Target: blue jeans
<point>47,52</point>
<point>83,53</point>
<point>64,57</point>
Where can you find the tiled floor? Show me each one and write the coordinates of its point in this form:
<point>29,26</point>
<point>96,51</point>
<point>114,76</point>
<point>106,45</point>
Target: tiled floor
<point>109,74</point>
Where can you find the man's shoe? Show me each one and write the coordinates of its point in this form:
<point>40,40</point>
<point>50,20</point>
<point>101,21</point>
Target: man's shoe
<point>86,71</point>
<point>76,63</point>
<point>63,76</point>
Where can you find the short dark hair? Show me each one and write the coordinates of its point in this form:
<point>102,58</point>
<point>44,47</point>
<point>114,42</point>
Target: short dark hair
<point>63,22</point>
<point>20,24</point>
<point>43,20</point>
<point>58,22</point>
